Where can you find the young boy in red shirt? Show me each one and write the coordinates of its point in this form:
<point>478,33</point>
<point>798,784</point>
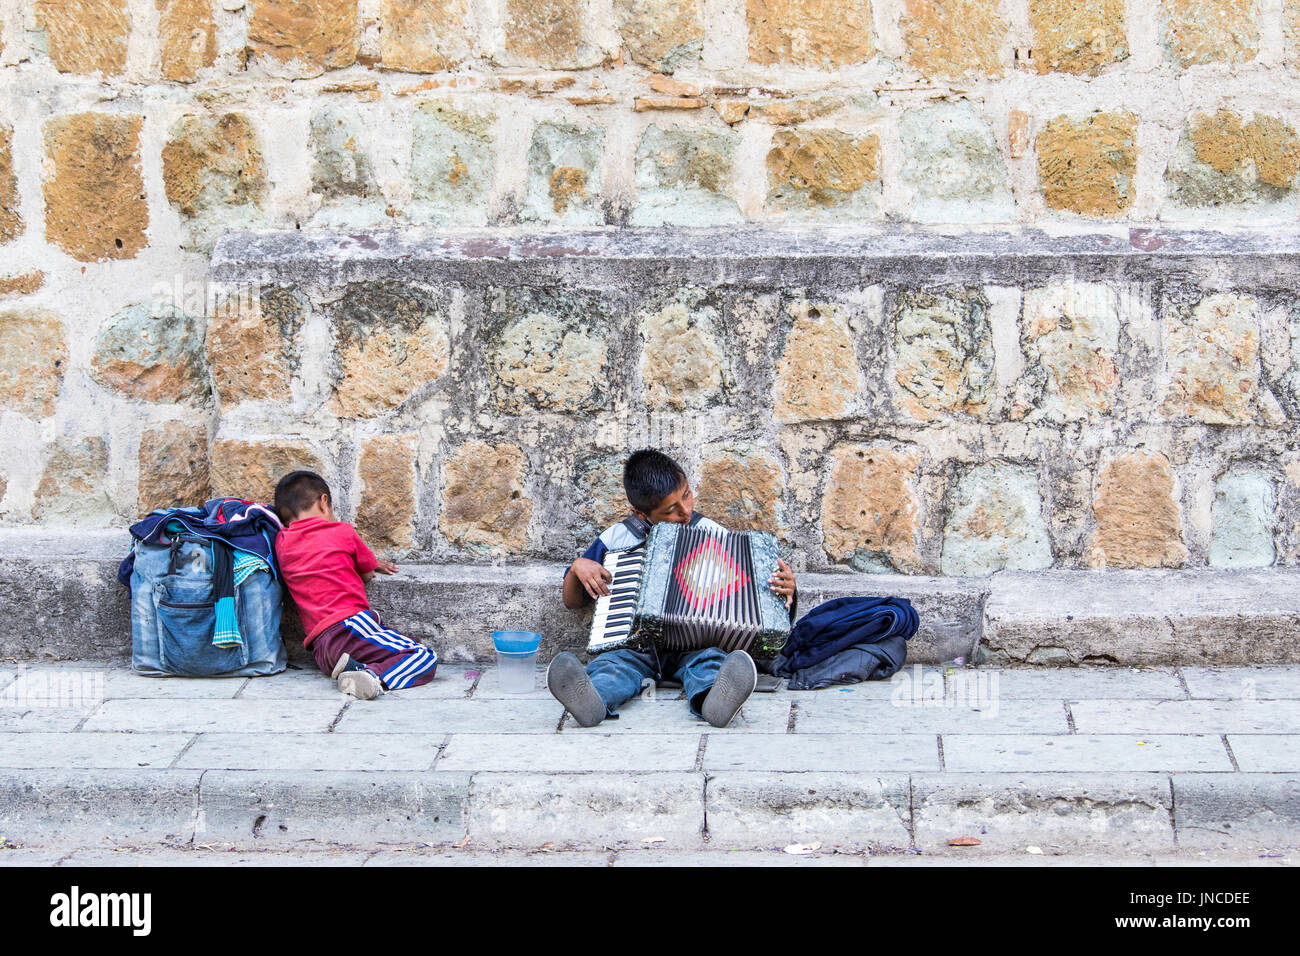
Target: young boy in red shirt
<point>326,565</point>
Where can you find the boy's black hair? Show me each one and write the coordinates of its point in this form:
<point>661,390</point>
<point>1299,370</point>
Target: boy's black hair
<point>649,477</point>
<point>296,492</point>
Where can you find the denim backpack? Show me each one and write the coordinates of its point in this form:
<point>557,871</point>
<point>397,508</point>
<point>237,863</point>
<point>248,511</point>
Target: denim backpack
<point>175,604</point>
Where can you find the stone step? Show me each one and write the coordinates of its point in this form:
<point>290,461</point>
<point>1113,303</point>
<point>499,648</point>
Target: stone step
<point>62,585</point>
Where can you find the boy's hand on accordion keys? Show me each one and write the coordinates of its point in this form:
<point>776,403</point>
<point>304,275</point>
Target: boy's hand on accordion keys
<point>782,582</point>
<point>593,575</point>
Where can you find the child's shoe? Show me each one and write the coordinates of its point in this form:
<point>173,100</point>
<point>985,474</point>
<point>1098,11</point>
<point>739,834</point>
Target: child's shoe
<point>356,680</point>
<point>568,683</point>
<point>736,680</point>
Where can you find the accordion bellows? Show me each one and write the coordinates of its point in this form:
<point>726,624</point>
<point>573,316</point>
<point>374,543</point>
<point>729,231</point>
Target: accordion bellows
<point>686,588</point>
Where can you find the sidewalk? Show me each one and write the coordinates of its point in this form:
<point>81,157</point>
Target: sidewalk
<point>1129,762</point>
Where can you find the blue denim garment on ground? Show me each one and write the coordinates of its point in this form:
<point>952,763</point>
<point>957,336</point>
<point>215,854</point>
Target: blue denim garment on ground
<point>876,628</point>
<point>620,674</point>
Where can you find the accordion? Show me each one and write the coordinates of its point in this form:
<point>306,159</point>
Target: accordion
<point>684,588</point>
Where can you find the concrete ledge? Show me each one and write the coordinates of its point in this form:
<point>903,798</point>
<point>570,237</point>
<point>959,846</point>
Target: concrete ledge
<point>1007,811</point>
<point>249,808</point>
<point>63,584</point>
<point>757,810</point>
<point>1211,810</point>
<point>120,806</point>
<point>1143,617</point>
<point>588,810</point>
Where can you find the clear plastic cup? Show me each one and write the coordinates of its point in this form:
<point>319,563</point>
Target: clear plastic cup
<point>516,660</point>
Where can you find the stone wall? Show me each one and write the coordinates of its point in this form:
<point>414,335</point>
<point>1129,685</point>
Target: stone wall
<point>933,416</point>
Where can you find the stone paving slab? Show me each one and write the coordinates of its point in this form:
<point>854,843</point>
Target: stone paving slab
<point>475,858</point>
<point>816,752</point>
<point>53,679</point>
<point>133,856</point>
<point>308,683</point>
<point>530,809</point>
<point>748,809</point>
<point>217,716</point>
<point>831,716</point>
<point>1008,810</point>
<point>49,749</point>
<point>491,716</point>
<point>269,808</point>
<point>1075,683</point>
<point>353,752</point>
<point>762,714</point>
<point>489,684</point>
<point>571,753</point>
<point>1186,716</point>
<point>1267,753</point>
<point>1262,683</point>
<point>50,719</point>
<point>965,753</point>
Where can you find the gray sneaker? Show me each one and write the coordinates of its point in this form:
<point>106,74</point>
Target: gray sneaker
<point>355,680</point>
<point>568,683</point>
<point>736,680</point>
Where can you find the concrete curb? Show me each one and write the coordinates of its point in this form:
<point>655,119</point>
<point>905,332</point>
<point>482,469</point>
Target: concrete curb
<point>672,811</point>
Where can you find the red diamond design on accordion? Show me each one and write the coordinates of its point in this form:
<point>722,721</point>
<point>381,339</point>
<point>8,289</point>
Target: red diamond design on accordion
<point>708,574</point>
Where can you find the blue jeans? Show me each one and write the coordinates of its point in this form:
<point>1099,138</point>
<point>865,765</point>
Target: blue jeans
<point>618,675</point>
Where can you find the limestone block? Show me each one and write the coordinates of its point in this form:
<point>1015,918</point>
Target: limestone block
<point>425,36</point>
<point>684,177</point>
<point>995,522</point>
<point>390,341</point>
<point>809,33</point>
<point>1137,515</point>
<point>252,345</point>
<point>820,169</point>
<point>954,166</point>
<point>187,38</point>
<point>1078,38</point>
<point>944,353</point>
<point>1211,362</point>
<point>1222,161</point>
<point>11,221</point>
<point>1069,334</point>
<point>1209,31</point>
<point>1087,166</point>
<point>451,160</point>
<point>85,36</point>
<point>33,360</point>
<point>549,35</point>
<point>955,38</point>
<point>387,508</point>
<point>601,499</point>
<point>484,508</point>
<point>662,34</point>
<point>173,467</point>
<point>340,155</point>
<point>552,355</point>
<point>817,376</point>
<point>95,204</point>
<point>304,38</point>
<point>213,161</point>
<point>1243,518</point>
<point>871,512</point>
<point>564,175</point>
<point>152,354</point>
<point>741,488</point>
<point>683,363</point>
<point>251,469</point>
<point>74,485</point>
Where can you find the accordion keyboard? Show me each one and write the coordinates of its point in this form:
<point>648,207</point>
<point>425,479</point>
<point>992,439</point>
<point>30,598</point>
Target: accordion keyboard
<point>612,620</point>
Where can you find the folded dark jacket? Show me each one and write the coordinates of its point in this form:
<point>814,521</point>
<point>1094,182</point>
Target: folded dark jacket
<point>244,525</point>
<point>835,626</point>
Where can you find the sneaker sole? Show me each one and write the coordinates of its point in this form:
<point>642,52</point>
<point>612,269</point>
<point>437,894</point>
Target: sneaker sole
<point>568,683</point>
<point>736,680</point>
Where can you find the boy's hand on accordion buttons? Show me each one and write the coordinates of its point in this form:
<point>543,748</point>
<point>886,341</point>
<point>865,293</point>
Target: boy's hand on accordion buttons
<point>782,582</point>
<point>595,577</point>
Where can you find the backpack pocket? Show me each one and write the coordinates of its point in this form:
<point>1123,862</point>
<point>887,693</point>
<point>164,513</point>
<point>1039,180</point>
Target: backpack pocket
<point>187,612</point>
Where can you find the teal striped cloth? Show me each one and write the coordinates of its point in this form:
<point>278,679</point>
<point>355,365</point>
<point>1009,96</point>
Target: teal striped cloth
<point>226,631</point>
